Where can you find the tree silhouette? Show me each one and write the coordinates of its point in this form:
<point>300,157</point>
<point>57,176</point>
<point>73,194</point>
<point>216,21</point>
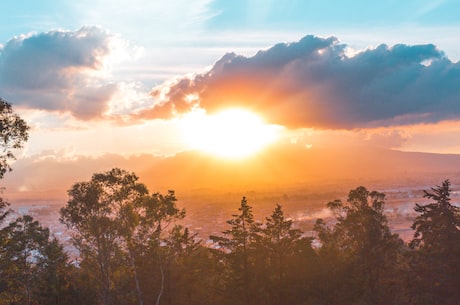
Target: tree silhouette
<point>119,226</point>
<point>238,244</point>
<point>157,212</point>
<point>437,225</point>
<point>54,283</point>
<point>283,251</point>
<point>437,239</point>
<point>23,247</point>
<point>360,247</point>
<point>13,135</point>
<point>101,213</point>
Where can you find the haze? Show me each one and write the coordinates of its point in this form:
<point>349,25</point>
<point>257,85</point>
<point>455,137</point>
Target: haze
<point>358,97</point>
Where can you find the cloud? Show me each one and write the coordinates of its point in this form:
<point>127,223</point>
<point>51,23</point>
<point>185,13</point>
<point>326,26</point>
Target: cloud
<point>314,83</point>
<point>386,137</point>
<point>62,71</point>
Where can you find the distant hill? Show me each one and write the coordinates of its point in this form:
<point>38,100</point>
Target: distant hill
<point>292,164</point>
<point>41,177</point>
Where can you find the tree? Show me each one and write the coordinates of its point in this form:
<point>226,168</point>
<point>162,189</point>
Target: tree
<point>283,249</point>
<point>13,135</point>
<point>157,212</point>
<point>360,248</point>
<point>119,226</point>
<point>437,225</point>
<point>24,246</point>
<point>101,213</point>
<point>238,244</point>
<point>4,212</point>
<point>180,248</point>
<point>437,239</point>
<point>54,285</point>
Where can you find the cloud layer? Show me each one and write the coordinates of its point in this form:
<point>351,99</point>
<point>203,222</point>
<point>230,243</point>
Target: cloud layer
<point>315,82</point>
<point>59,71</point>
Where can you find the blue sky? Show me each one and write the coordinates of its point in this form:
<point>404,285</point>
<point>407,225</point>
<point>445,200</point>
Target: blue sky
<point>23,16</point>
<point>91,64</point>
<point>195,23</point>
<point>178,37</point>
<point>290,14</point>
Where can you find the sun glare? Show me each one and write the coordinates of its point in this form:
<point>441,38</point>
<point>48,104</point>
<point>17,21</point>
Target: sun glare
<point>232,133</point>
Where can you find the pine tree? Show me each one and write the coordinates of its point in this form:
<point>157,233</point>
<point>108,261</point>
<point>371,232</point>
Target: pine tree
<point>238,244</point>
<point>283,247</point>
<point>436,265</point>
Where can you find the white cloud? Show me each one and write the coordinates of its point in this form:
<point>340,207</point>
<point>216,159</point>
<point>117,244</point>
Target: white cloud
<point>63,71</point>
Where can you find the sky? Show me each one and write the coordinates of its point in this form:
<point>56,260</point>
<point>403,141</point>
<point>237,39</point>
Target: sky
<point>119,77</point>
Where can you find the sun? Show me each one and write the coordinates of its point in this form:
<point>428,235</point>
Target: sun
<point>231,133</point>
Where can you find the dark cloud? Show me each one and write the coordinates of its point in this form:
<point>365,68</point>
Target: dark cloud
<point>315,83</point>
<point>52,71</point>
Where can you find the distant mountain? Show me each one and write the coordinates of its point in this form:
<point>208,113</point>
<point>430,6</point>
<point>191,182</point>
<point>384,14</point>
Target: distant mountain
<point>40,177</point>
<point>293,164</point>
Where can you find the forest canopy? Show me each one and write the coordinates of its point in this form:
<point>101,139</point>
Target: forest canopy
<point>134,248</point>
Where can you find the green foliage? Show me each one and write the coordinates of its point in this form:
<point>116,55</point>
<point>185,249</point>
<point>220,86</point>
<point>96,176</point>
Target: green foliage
<point>23,247</point>
<point>4,211</point>
<point>437,225</point>
<point>284,253</point>
<point>238,245</point>
<point>13,135</point>
<point>265,263</point>
<point>55,284</point>
<point>242,233</point>
<point>33,269</point>
<point>435,266</point>
<point>359,249</point>
<point>134,251</point>
<point>101,212</point>
<point>119,227</point>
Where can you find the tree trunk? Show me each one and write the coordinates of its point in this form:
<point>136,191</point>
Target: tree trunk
<point>136,278</point>
<point>106,294</point>
<point>160,293</point>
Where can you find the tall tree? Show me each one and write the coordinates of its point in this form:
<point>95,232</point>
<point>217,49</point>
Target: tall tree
<point>437,238</point>
<point>24,246</point>
<point>13,135</point>
<point>118,224</point>
<point>280,244</point>
<point>54,286</point>
<point>100,212</point>
<point>180,251</point>
<point>361,245</point>
<point>437,225</point>
<point>157,212</point>
<point>238,244</point>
